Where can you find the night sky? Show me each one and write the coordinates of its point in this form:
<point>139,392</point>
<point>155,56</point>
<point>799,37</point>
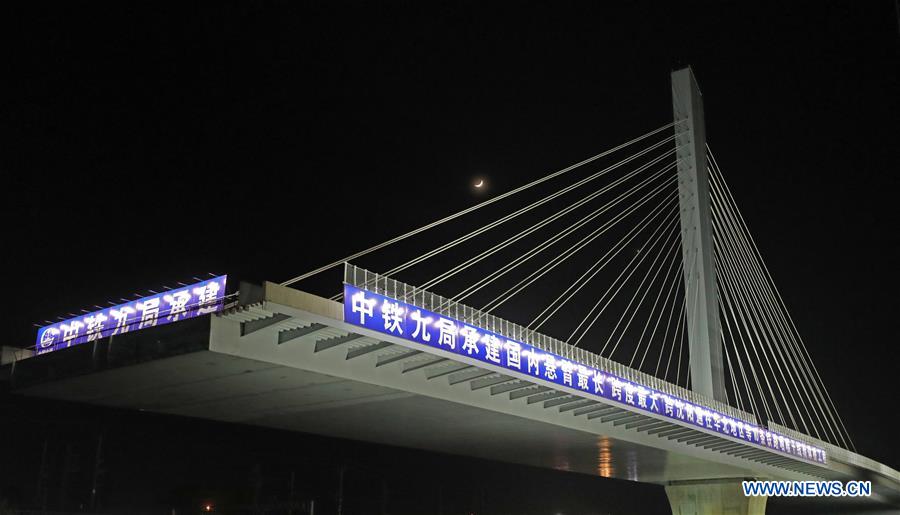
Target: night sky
<point>144,144</point>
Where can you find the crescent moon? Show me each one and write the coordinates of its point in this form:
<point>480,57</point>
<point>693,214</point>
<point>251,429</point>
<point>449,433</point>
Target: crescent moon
<point>480,184</point>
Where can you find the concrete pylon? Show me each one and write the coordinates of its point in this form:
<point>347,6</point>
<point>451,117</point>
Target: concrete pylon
<point>713,497</point>
<point>701,302</point>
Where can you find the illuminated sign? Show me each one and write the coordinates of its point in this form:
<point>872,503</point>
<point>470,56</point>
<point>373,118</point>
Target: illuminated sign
<point>163,308</point>
<point>396,318</point>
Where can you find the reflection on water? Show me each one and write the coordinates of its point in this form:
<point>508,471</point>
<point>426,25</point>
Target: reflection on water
<point>604,457</point>
<point>632,464</point>
<point>560,461</point>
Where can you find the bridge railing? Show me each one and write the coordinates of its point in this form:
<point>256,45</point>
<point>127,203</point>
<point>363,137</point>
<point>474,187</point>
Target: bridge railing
<point>838,453</point>
<point>389,287</point>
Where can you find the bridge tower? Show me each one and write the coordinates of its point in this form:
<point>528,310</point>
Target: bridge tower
<point>704,497</point>
<point>703,325</point>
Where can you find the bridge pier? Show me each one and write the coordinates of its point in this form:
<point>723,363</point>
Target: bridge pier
<point>713,497</point>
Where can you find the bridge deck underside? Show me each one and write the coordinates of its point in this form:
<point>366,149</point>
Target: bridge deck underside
<point>292,372</point>
<point>217,386</point>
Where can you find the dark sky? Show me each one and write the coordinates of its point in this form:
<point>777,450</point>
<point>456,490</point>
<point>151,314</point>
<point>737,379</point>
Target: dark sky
<point>144,144</point>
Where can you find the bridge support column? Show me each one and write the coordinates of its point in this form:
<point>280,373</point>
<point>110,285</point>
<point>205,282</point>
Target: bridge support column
<point>700,289</point>
<point>713,497</point>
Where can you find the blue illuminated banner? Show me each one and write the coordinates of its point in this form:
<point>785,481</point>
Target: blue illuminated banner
<point>385,315</point>
<point>163,308</point>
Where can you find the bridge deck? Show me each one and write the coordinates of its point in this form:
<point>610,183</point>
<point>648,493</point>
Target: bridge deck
<point>290,362</point>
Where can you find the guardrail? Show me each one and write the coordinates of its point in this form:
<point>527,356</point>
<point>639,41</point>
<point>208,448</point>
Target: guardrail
<point>383,285</point>
<point>839,453</point>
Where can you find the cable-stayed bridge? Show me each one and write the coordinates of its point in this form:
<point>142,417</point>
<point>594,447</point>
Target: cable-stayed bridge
<point>675,359</point>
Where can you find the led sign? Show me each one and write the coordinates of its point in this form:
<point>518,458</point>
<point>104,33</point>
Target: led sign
<point>402,320</point>
<point>163,308</point>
